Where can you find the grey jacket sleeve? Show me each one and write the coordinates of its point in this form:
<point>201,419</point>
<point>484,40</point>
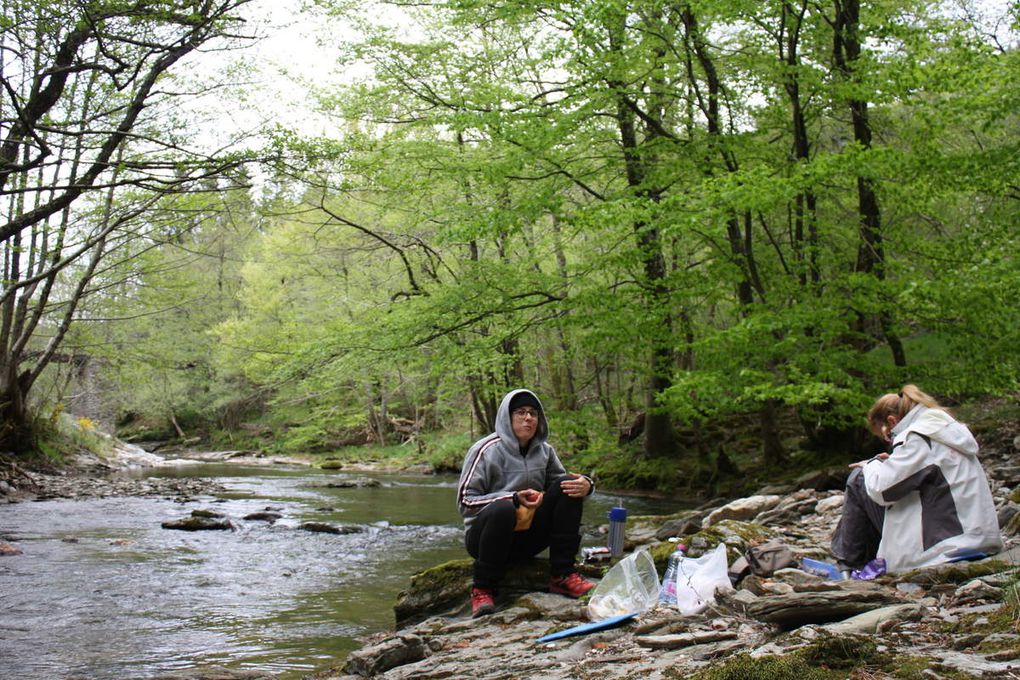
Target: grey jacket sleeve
<point>478,478</point>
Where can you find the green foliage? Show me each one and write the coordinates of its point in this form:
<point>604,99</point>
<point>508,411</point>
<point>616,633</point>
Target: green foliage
<point>445,453</point>
<point>597,202</point>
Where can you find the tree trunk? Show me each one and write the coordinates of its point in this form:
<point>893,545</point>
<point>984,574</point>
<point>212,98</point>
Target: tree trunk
<point>16,431</point>
<point>659,438</point>
<point>870,248</point>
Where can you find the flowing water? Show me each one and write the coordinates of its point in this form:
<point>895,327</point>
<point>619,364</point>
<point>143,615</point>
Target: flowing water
<point>102,591</point>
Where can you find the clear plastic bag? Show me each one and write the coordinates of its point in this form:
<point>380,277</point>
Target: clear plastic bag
<point>698,579</point>
<point>630,586</point>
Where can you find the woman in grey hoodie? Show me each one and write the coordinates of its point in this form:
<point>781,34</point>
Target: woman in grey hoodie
<point>517,499</point>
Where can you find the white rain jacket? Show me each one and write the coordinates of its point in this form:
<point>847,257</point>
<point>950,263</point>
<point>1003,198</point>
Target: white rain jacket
<point>936,497</point>
<point>495,467</point>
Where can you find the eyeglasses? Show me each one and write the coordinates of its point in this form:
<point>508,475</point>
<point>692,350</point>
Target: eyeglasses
<point>523,413</point>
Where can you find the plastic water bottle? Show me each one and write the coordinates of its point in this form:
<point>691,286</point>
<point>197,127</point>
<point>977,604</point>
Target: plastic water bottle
<point>667,593</point>
<point>617,523</point>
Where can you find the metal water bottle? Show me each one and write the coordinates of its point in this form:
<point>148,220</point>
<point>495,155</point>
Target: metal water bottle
<point>617,524</point>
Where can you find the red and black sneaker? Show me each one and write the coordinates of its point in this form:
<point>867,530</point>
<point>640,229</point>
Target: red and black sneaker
<point>572,585</point>
<point>482,602</point>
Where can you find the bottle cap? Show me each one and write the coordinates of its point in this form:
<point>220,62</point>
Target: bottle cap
<point>617,514</point>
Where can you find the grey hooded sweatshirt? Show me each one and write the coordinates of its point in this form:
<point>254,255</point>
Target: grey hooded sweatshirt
<point>495,467</point>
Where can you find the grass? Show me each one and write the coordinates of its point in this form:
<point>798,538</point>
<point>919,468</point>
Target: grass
<point>62,435</point>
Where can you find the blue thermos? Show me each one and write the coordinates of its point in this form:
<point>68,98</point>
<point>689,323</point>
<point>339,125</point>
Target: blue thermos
<point>617,524</point>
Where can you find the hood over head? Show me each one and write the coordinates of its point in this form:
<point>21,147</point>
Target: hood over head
<point>504,424</point>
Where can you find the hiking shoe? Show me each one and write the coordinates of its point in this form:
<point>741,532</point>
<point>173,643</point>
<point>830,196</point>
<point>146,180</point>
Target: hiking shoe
<point>481,602</point>
<point>572,585</point>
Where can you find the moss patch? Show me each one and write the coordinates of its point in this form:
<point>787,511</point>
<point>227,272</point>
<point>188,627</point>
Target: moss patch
<point>828,658</point>
<point>744,667</point>
<point>842,651</point>
<point>958,572</point>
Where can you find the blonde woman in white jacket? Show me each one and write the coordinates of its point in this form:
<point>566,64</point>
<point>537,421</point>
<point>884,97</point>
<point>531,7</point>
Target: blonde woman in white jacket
<point>925,502</point>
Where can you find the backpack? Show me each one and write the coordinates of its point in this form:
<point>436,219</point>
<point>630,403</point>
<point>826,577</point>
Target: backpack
<point>767,558</point>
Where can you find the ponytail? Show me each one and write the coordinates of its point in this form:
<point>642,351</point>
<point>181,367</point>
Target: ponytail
<point>898,405</point>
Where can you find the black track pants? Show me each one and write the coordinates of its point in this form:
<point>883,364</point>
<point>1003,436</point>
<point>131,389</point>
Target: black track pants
<point>494,544</point>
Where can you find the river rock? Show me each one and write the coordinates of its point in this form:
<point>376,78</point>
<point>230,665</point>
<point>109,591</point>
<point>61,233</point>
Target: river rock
<point>6,549</point>
<point>975,591</point>
<point>326,528</point>
<point>680,526</point>
<point>353,483</point>
<point>1008,510</point>
<point>200,520</point>
<point>800,608</point>
<point>216,673</point>
<point>1012,527</point>
<point>828,479</point>
<point>830,504</point>
<point>788,511</point>
<point>684,639</point>
<point>446,588</point>
<point>871,621</point>
<point>263,516</point>
<point>397,651</point>
<point>742,509</point>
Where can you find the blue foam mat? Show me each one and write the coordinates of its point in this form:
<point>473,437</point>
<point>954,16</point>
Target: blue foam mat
<point>588,627</point>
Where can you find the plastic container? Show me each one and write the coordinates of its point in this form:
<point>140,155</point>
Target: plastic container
<point>667,593</point>
<point>617,524</point>
<point>823,569</point>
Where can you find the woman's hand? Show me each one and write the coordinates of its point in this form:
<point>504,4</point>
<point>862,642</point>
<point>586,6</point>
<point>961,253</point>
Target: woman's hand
<point>576,487</point>
<point>862,463</point>
<point>529,498</point>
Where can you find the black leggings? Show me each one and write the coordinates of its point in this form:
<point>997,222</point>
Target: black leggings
<point>494,544</point>
<point>856,538</point>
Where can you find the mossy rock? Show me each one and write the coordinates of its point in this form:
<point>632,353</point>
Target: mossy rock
<point>956,572</point>
<point>331,464</point>
<point>446,588</point>
<point>737,536</point>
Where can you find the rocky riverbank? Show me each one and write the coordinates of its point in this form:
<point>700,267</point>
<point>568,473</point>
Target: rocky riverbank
<point>88,475</point>
<point>953,621</point>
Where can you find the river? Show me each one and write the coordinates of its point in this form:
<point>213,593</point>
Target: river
<point>102,591</point>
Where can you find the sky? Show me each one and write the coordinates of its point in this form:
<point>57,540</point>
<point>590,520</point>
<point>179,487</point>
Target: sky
<point>267,81</point>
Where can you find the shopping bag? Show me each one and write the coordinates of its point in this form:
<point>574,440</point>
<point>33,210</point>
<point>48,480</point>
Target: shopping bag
<point>699,578</point>
<point>631,586</point>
